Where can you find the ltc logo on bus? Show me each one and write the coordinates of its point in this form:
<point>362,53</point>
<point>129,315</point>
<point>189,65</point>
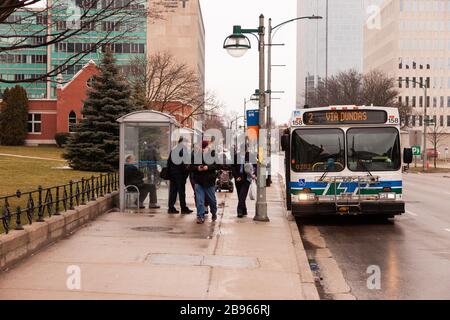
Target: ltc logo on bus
<point>302,183</point>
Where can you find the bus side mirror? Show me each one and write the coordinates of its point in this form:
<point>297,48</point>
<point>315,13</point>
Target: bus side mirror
<point>285,142</point>
<point>407,155</point>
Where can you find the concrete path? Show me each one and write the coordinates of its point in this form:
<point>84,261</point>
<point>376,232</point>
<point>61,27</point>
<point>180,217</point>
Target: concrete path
<point>152,255</point>
<point>30,157</point>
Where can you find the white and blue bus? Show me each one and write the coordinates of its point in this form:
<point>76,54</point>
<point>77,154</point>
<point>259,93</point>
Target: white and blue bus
<point>344,160</point>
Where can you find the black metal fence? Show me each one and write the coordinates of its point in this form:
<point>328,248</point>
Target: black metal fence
<point>45,202</point>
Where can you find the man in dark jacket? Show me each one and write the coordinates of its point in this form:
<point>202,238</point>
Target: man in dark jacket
<point>178,174</point>
<point>134,177</point>
<point>243,173</point>
<point>204,175</point>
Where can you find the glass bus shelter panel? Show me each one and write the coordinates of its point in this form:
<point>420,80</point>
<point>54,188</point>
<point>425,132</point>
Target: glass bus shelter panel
<point>149,146</point>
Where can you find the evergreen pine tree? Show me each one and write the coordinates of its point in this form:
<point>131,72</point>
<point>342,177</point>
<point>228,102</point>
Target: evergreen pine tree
<point>14,117</point>
<point>138,96</point>
<point>95,144</point>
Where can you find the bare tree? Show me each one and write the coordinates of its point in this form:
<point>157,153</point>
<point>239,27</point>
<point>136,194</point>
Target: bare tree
<point>7,7</point>
<point>61,20</point>
<point>354,88</point>
<point>163,84</point>
<point>435,136</point>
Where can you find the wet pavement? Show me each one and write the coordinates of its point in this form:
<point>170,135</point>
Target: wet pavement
<point>153,255</point>
<point>412,251</point>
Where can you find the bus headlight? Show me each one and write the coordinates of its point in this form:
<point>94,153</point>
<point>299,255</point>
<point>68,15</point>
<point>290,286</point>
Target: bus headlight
<point>306,197</point>
<point>388,196</point>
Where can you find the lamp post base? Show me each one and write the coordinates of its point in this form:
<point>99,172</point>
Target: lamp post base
<point>261,213</point>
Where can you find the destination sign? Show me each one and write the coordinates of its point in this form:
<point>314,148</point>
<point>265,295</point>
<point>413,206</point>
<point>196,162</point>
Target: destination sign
<point>345,117</point>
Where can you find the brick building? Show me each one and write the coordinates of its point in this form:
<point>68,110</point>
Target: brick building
<point>46,117</point>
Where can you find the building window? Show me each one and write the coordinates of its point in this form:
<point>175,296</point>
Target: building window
<point>34,123</point>
<point>434,102</point>
<point>413,121</point>
<point>441,121</point>
<point>441,102</point>
<point>407,101</point>
<point>421,101</point>
<point>72,121</point>
<point>448,121</point>
<point>420,121</point>
<point>400,83</point>
<point>414,101</point>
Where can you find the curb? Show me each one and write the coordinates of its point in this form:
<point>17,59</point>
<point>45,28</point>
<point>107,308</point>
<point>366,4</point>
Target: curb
<point>306,276</point>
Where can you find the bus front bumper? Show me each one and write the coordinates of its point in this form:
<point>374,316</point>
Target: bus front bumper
<point>312,208</point>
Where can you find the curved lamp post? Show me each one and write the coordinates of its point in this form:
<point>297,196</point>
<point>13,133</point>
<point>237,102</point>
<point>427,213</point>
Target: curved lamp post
<point>237,44</point>
<point>272,31</point>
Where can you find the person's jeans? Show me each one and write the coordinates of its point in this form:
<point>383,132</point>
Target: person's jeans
<point>177,186</point>
<point>242,188</point>
<point>203,193</point>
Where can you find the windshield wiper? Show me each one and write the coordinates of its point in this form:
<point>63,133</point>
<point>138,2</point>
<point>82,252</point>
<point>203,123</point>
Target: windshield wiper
<point>365,167</point>
<point>324,174</point>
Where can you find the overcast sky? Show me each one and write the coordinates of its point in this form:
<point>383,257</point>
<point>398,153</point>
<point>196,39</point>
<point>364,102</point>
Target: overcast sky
<point>234,79</point>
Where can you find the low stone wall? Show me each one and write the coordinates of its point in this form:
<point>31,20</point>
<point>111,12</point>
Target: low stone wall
<point>17,245</point>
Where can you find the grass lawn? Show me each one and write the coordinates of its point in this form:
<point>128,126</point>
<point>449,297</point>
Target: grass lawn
<point>27,174</point>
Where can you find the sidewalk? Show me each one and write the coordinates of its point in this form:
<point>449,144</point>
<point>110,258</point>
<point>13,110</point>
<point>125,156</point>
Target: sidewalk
<point>152,255</point>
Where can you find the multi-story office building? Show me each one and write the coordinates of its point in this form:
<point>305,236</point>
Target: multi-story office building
<point>412,44</point>
<point>330,45</point>
<point>180,32</point>
<point>26,63</point>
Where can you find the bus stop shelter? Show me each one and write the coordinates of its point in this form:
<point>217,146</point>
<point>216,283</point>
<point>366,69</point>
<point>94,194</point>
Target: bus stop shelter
<point>147,137</point>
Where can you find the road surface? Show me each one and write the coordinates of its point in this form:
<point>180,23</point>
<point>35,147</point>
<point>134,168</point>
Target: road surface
<point>412,252</point>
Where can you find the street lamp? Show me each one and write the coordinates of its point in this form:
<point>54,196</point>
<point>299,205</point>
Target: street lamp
<point>237,45</point>
<point>425,120</point>
<point>272,31</point>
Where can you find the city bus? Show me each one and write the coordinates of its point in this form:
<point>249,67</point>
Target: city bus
<point>344,160</point>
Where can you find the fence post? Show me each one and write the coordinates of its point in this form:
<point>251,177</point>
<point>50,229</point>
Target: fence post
<point>57,202</point>
<point>93,188</point>
<point>77,193</point>
<point>101,185</point>
<point>83,190</point>
<point>18,222</point>
<point>109,182</point>
<point>71,195</point>
<point>40,207</point>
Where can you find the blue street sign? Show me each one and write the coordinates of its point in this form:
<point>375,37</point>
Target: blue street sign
<point>252,118</point>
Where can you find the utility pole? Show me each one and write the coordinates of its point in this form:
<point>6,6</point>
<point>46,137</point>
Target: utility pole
<point>261,201</point>
<point>425,125</point>
<point>269,106</point>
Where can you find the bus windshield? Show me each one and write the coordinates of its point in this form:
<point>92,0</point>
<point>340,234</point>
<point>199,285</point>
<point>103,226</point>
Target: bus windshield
<point>318,150</point>
<point>373,149</point>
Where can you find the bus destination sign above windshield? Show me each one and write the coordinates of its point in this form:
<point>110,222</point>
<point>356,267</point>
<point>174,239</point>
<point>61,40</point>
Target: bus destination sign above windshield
<point>330,117</point>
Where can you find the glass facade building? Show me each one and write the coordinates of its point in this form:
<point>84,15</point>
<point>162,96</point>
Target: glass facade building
<point>26,63</point>
<point>330,45</point>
